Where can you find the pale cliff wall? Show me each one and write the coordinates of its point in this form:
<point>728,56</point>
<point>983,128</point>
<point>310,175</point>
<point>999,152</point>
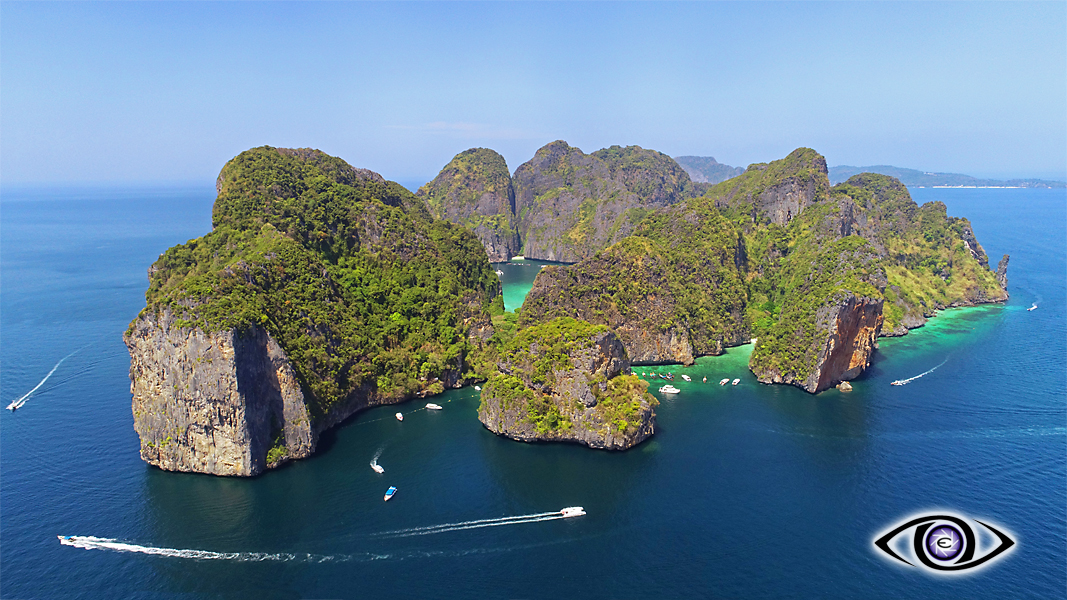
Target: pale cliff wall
<point>214,402</point>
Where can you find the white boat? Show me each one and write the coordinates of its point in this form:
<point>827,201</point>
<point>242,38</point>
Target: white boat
<point>478,387</point>
<point>572,511</point>
<point>898,382</point>
<point>705,380</point>
<point>737,381</point>
<point>669,389</point>
<point>377,468</point>
<point>399,416</point>
<point>1034,307</point>
<point>433,406</point>
<point>687,378</point>
<point>389,493</point>
<point>724,381</point>
<point>499,272</point>
<point>519,257</point>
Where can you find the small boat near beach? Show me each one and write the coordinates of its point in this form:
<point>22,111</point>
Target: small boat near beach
<point>499,273</point>
<point>687,378</point>
<point>432,406</point>
<point>669,389</point>
<point>399,416</point>
<point>389,493</point>
<point>737,381</point>
<point>572,511</point>
<point>478,388</point>
<point>724,381</point>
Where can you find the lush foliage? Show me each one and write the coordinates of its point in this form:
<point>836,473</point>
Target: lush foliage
<point>359,285</point>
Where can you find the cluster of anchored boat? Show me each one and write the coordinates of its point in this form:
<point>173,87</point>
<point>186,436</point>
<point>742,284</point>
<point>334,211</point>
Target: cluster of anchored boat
<point>670,389</point>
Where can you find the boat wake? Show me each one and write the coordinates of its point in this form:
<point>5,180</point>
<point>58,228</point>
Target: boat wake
<point>88,542</point>
<point>478,524</point>
<point>17,404</point>
<point>911,379</point>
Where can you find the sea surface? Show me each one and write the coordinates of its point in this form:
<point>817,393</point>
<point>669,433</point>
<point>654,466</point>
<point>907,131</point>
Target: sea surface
<point>747,491</point>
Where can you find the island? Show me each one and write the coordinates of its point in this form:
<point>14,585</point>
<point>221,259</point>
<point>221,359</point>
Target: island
<point>323,290</point>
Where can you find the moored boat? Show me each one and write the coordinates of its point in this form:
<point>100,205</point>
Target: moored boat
<point>669,389</point>
<point>399,416</point>
<point>389,493</point>
<point>687,378</point>
<point>478,388</point>
<point>737,381</point>
<point>432,406</point>
<point>724,381</point>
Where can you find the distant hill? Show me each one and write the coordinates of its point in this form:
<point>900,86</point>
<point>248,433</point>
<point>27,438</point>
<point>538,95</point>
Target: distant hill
<point>705,169</point>
<point>914,178</point>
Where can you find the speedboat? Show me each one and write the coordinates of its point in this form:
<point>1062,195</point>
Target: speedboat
<point>433,406</point>
<point>737,381</point>
<point>669,389</point>
<point>399,416</point>
<point>687,378</point>
<point>478,388</point>
<point>389,493</point>
<point>377,468</point>
<point>724,381</point>
<point>13,406</point>
<point>1034,307</point>
<point>898,382</point>
<point>572,511</point>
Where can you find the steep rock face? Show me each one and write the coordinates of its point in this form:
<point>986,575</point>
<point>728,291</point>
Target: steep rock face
<point>214,402</point>
<point>1002,272</point>
<point>571,204</point>
<point>850,327</point>
<point>568,381</point>
<point>321,290</point>
<point>475,190</point>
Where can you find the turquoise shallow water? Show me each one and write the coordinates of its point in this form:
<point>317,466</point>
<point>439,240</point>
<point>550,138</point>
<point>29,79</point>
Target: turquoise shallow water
<point>744,491</point>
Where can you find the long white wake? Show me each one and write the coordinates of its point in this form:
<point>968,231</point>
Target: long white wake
<point>22,400</point>
<point>516,520</point>
<point>88,542</point>
<point>911,379</point>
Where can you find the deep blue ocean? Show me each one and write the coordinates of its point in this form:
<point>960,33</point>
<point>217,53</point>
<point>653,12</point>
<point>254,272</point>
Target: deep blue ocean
<point>746,491</point>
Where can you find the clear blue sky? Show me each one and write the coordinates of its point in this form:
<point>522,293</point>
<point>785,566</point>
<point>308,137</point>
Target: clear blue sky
<point>130,92</point>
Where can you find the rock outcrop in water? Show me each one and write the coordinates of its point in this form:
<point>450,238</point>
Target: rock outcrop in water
<point>568,381</point>
<point>321,290</point>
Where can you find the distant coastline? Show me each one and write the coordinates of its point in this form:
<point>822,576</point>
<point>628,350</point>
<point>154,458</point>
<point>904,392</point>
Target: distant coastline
<point>925,179</point>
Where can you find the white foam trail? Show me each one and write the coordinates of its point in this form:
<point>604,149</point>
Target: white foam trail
<point>18,403</point>
<point>911,379</point>
<point>547,516</point>
<point>95,543</point>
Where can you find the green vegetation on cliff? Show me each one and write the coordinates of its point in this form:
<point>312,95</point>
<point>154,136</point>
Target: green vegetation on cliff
<point>544,369</point>
<point>360,286</point>
<point>773,253</point>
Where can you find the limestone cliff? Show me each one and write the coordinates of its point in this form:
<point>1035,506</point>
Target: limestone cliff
<point>844,343</point>
<point>568,381</point>
<point>705,169</point>
<point>215,402</point>
<point>475,190</point>
<point>321,290</point>
<point>571,204</point>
